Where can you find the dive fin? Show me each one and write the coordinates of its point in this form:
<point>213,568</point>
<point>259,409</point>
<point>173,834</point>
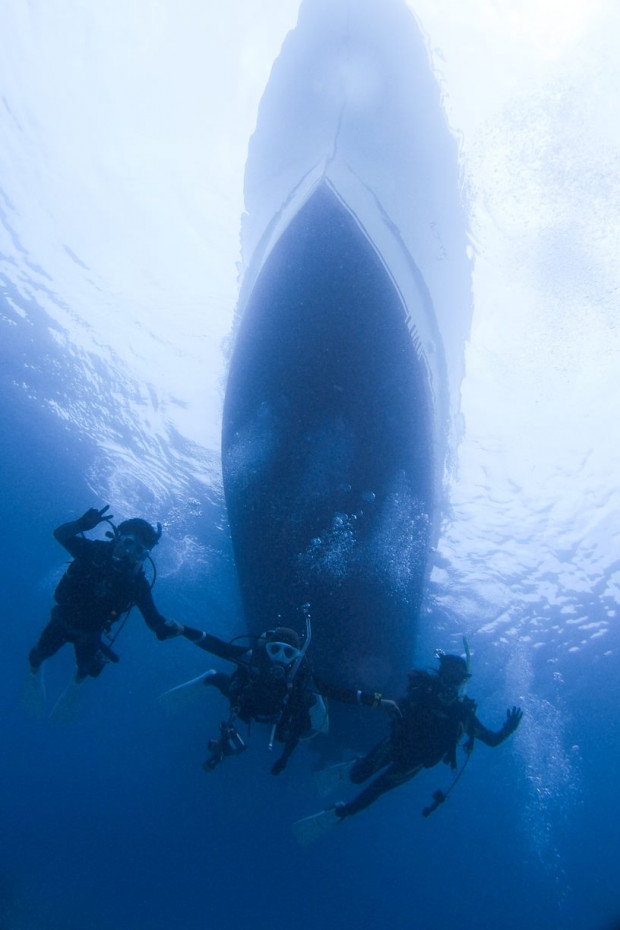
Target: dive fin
<point>65,710</point>
<point>33,694</point>
<point>329,779</point>
<point>312,828</point>
<point>319,717</point>
<point>185,694</point>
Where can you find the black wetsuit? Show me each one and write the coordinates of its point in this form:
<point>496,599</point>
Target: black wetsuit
<point>428,732</point>
<point>259,691</point>
<point>94,593</point>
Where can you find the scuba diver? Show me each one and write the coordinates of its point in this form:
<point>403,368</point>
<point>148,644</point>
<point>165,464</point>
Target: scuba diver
<point>433,717</point>
<point>99,588</point>
<point>272,684</point>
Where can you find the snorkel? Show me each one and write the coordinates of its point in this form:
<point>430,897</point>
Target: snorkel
<point>304,648</point>
<point>292,675</point>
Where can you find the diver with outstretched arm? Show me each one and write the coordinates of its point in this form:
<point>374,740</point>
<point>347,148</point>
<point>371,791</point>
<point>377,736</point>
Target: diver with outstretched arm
<point>233,652</point>
<point>271,684</point>
<point>432,719</point>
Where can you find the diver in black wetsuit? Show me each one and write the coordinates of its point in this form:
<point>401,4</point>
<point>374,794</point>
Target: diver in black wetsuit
<point>103,582</point>
<point>431,720</point>
<point>272,684</point>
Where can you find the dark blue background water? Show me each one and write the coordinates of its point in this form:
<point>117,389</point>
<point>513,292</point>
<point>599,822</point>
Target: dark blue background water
<point>111,822</point>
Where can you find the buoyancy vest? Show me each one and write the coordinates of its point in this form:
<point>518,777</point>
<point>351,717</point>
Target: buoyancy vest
<point>428,731</point>
<point>258,692</point>
<point>93,593</point>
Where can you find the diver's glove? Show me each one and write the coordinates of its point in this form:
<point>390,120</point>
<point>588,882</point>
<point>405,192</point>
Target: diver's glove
<point>92,518</point>
<point>513,719</point>
<point>168,630</point>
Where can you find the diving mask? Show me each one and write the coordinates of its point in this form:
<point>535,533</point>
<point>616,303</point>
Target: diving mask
<point>130,548</point>
<point>282,653</point>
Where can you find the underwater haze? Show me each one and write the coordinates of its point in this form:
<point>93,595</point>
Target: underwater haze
<point>125,130</point>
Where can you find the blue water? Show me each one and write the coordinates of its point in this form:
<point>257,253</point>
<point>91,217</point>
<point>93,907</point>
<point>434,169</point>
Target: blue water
<point>117,287</point>
<point>111,822</point>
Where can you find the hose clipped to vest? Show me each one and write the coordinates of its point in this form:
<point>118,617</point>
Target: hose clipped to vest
<point>440,797</point>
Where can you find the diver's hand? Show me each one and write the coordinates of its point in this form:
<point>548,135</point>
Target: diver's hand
<point>169,630</point>
<point>391,707</point>
<point>468,746</point>
<point>93,517</point>
<point>513,719</point>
